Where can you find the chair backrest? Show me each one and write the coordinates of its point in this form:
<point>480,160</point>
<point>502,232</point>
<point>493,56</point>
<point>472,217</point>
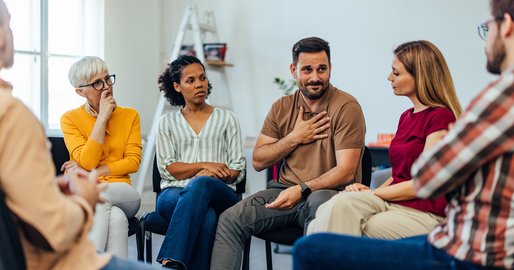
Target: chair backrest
<point>241,186</point>
<point>156,180</point>
<point>273,171</point>
<point>59,153</point>
<point>156,177</point>
<point>366,162</point>
<point>11,252</point>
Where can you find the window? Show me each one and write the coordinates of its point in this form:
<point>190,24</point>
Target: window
<point>49,35</point>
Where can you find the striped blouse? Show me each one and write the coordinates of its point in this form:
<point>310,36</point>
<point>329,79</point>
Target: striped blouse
<point>474,166</point>
<point>218,141</point>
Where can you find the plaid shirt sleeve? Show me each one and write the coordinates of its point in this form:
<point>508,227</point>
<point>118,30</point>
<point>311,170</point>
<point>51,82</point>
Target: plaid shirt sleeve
<point>484,131</point>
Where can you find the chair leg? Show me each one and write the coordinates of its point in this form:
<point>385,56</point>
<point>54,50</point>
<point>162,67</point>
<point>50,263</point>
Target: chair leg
<point>140,245</point>
<point>148,240</point>
<point>246,254</point>
<point>269,259</point>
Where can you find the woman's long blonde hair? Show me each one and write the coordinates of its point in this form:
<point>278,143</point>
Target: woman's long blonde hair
<point>434,83</point>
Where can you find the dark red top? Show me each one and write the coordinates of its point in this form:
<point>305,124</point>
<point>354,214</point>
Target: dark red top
<point>408,144</point>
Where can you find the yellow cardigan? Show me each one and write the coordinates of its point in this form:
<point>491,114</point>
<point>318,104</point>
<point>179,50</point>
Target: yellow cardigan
<point>121,151</point>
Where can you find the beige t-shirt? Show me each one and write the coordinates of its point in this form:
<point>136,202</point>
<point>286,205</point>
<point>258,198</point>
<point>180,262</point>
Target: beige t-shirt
<point>308,161</point>
<point>27,177</point>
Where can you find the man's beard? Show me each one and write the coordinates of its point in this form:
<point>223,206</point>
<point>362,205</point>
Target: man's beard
<point>495,60</point>
<point>316,95</point>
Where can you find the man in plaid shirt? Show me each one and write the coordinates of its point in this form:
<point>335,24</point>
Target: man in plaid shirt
<point>473,166</point>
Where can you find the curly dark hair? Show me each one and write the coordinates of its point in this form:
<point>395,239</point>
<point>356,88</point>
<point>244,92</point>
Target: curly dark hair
<point>172,74</point>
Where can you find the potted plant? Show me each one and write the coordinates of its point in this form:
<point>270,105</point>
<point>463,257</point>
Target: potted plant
<point>286,86</point>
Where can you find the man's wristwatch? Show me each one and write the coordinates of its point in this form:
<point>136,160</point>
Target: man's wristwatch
<point>306,190</point>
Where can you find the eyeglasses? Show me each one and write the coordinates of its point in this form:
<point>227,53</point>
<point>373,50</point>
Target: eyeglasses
<point>100,84</point>
<point>483,28</point>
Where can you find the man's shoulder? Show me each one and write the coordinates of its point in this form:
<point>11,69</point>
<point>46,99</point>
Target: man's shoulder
<point>343,97</point>
<point>8,102</point>
<point>14,109</point>
<point>287,100</point>
<point>284,103</point>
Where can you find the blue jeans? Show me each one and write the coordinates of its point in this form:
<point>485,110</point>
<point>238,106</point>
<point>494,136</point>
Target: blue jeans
<point>334,251</point>
<point>116,263</point>
<point>194,213</point>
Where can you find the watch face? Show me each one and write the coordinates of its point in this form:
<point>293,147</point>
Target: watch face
<point>306,190</point>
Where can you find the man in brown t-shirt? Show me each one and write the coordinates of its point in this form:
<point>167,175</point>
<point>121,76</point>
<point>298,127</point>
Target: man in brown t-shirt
<point>318,133</point>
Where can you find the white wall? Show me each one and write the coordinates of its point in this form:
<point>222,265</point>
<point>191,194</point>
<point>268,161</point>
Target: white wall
<point>260,34</point>
<point>132,51</point>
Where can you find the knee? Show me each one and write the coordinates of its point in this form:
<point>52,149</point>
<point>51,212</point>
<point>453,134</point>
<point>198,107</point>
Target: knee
<point>199,185</point>
<point>319,197</point>
<point>380,226</point>
<point>201,182</point>
<point>166,203</point>
<point>316,199</point>
<point>340,203</point>
<point>303,247</point>
<point>118,218</point>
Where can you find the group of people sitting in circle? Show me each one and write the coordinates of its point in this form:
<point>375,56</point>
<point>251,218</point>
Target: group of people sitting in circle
<point>451,169</point>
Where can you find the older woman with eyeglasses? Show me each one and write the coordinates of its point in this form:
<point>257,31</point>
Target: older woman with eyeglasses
<point>102,136</point>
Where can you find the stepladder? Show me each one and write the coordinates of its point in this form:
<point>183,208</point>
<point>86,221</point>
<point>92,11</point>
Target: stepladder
<point>190,24</point>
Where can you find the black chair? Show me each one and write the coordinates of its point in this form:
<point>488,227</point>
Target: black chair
<point>11,252</point>
<point>59,152</point>
<point>153,222</point>
<point>60,155</point>
<point>288,235</point>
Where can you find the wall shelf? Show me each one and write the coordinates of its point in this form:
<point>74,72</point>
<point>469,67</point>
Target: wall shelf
<point>218,63</point>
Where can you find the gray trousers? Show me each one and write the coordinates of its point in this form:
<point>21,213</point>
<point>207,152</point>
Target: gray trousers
<point>249,217</point>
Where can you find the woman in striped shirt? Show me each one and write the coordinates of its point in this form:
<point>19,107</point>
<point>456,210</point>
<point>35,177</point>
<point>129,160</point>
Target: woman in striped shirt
<point>200,157</point>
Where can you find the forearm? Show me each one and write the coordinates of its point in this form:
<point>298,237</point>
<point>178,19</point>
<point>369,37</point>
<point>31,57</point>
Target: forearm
<point>399,192</point>
<point>386,182</point>
<point>266,155</point>
<point>234,174</point>
<point>182,170</point>
<point>124,166</point>
<point>334,178</point>
<point>98,133</point>
<point>103,170</point>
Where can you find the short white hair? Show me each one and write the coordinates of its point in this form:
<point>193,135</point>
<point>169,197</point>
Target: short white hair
<point>82,71</point>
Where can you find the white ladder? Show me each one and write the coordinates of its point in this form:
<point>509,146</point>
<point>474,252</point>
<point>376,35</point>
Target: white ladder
<point>189,22</point>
